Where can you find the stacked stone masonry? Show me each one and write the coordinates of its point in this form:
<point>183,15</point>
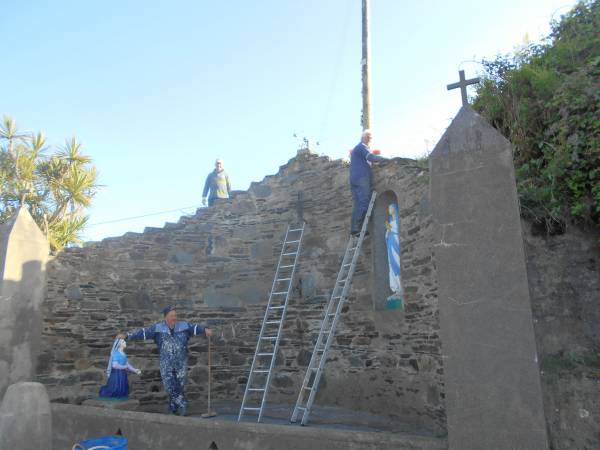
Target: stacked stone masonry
<point>217,267</point>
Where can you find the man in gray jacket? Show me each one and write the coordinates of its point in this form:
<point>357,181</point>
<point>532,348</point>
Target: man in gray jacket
<point>217,182</point>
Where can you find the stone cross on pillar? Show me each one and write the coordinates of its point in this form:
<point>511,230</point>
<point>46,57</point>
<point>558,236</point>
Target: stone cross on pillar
<point>462,84</point>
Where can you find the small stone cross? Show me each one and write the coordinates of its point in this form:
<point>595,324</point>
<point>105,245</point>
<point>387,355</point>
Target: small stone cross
<point>462,84</point>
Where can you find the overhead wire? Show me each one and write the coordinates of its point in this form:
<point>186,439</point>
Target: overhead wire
<point>124,219</point>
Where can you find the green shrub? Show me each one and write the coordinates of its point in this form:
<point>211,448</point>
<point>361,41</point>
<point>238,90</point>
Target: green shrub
<point>545,99</point>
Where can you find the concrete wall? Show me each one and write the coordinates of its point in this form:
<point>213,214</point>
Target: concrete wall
<point>144,430</point>
<point>218,265</point>
<point>23,255</point>
<point>25,418</point>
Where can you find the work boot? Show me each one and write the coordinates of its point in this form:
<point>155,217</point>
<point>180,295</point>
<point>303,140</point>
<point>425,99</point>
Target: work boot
<point>183,411</point>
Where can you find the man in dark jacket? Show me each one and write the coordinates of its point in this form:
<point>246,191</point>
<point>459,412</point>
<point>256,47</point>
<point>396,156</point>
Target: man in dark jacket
<point>361,180</point>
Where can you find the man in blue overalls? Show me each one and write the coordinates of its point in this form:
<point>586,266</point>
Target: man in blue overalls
<point>171,336</point>
<point>361,180</point>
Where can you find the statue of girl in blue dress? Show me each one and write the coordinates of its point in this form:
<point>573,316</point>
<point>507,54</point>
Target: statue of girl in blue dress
<point>117,385</point>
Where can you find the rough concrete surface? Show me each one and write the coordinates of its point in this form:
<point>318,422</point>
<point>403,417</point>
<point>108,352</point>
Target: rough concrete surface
<point>157,431</point>
<point>23,255</point>
<point>25,418</point>
<point>125,405</point>
<point>564,281</point>
<point>493,391</point>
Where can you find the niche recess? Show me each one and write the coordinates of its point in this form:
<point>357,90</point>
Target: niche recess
<point>381,285</point>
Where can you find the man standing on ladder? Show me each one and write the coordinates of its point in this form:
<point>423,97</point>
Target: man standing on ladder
<point>361,180</point>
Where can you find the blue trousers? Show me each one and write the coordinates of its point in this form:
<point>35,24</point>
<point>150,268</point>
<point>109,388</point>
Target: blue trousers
<point>174,382</point>
<point>361,195</point>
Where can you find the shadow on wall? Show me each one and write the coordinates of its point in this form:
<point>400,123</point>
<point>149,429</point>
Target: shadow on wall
<point>21,324</point>
<point>381,280</point>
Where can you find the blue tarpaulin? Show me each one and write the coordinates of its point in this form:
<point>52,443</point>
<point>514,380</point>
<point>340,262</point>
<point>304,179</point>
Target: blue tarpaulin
<point>103,443</point>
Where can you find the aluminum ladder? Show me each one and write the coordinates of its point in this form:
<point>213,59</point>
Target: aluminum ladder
<point>255,395</point>
<point>340,292</point>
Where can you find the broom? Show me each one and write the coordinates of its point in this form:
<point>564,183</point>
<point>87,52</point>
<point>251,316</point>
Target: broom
<point>209,413</point>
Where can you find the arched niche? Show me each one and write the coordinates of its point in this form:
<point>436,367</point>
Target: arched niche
<point>380,279</point>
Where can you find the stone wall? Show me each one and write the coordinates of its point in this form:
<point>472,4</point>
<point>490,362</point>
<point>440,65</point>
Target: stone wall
<point>565,292</point>
<point>217,266</point>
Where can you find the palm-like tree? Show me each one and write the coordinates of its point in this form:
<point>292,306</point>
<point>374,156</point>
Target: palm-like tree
<point>56,189</point>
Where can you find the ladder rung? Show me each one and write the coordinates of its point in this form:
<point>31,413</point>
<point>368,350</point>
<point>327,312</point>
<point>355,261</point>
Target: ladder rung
<point>308,388</point>
<point>336,297</point>
<point>286,266</point>
<point>270,322</point>
<point>283,279</point>
<point>342,281</point>
<point>301,407</point>
<point>292,242</point>
<point>347,265</point>
<point>331,314</point>
<point>269,337</point>
<point>291,253</point>
<point>279,293</point>
<point>260,371</point>
<point>297,229</point>
<point>247,408</point>
<point>256,389</point>
<point>264,354</point>
<point>276,307</point>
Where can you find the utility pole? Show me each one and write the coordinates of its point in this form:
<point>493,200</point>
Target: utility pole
<point>366,68</point>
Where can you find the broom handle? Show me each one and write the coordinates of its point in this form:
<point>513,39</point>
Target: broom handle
<point>209,374</point>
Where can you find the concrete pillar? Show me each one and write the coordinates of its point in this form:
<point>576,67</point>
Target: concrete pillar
<point>492,381</point>
<point>25,418</point>
<point>23,255</point>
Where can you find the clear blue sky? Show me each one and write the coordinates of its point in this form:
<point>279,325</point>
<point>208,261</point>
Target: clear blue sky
<point>157,90</point>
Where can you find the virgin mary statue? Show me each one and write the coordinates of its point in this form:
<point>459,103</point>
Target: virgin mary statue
<point>392,240</point>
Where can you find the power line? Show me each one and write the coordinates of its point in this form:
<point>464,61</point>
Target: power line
<point>336,68</point>
<point>124,219</point>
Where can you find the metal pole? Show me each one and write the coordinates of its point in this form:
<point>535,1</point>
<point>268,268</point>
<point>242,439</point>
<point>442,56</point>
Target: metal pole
<point>365,63</point>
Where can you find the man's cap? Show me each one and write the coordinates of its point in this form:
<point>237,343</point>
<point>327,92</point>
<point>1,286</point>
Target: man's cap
<point>168,309</point>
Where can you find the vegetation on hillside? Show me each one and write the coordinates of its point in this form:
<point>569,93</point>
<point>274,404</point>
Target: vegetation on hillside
<point>545,98</point>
